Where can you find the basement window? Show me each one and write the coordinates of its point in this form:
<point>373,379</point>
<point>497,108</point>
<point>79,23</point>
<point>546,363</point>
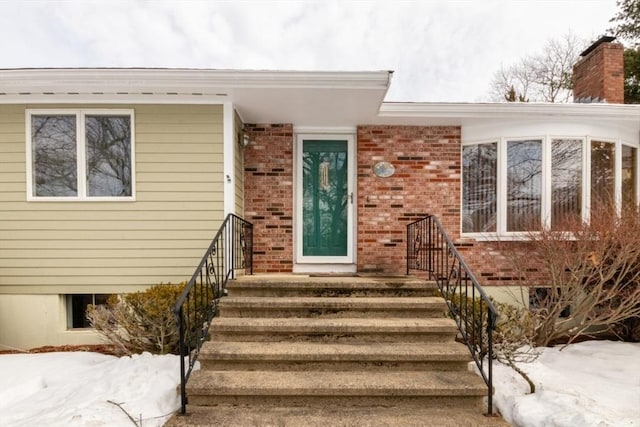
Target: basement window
<point>546,299</point>
<point>77,308</point>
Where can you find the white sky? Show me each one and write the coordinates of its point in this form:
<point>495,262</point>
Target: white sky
<point>440,50</point>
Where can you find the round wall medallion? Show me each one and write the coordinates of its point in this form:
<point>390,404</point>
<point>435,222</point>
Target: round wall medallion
<point>383,169</point>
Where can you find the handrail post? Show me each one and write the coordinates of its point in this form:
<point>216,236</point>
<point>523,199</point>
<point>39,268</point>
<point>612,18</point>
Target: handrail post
<point>491,324</point>
<point>181,351</point>
<point>409,239</point>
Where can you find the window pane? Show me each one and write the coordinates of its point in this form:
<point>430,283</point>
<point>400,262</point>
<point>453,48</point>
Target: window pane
<point>566,181</point>
<point>629,173</point>
<point>108,156</point>
<point>524,184</point>
<point>77,305</point>
<point>53,140</point>
<point>479,187</point>
<point>602,172</point>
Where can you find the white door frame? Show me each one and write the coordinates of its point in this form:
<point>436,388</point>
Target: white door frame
<point>324,263</point>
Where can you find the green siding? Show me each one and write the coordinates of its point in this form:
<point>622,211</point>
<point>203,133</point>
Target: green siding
<point>66,247</point>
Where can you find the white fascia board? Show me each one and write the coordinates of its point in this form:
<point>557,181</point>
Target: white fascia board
<point>112,98</point>
<point>178,81</point>
<point>463,111</point>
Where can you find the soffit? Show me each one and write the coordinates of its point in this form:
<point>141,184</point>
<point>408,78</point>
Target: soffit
<point>303,98</point>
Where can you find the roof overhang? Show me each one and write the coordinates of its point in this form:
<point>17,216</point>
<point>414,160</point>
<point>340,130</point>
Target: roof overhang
<point>395,113</point>
<point>304,98</point>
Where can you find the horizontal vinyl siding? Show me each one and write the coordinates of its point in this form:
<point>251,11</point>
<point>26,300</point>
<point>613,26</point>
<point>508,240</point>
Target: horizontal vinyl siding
<point>105,247</point>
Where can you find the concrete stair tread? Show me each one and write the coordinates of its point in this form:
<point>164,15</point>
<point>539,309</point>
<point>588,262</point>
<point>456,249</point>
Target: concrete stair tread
<point>334,302</point>
<point>355,287</point>
<point>334,351</point>
<point>321,383</point>
<point>305,351</point>
<point>293,281</point>
<point>345,324</point>
<point>234,416</point>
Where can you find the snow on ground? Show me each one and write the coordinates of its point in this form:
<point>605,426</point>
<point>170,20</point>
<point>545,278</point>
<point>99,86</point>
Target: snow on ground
<point>74,389</point>
<point>595,383</point>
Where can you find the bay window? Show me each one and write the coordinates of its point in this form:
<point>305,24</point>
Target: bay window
<point>603,157</point>
<point>566,181</point>
<point>479,187</point>
<point>516,185</point>
<point>629,175</point>
<point>524,184</point>
<point>80,155</point>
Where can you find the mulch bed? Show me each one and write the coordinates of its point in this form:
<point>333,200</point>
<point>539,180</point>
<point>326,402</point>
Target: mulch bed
<point>96,348</point>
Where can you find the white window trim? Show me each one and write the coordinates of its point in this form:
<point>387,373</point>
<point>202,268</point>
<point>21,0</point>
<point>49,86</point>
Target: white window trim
<point>80,153</point>
<point>546,203</point>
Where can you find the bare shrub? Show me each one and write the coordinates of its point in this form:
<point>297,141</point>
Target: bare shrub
<point>590,270</point>
<point>139,321</point>
<point>513,337</point>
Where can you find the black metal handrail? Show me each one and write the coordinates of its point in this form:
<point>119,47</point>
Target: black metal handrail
<point>430,249</point>
<point>231,249</point>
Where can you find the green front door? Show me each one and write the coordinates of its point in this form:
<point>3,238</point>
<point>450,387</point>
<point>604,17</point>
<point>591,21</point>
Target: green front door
<point>324,197</point>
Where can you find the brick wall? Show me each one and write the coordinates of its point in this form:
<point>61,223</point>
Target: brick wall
<point>600,75</point>
<point>426,180</point>
<point>268,173</point>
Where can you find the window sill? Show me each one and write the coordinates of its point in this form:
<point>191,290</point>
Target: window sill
<point>79,199</point>
<point>495,237</point>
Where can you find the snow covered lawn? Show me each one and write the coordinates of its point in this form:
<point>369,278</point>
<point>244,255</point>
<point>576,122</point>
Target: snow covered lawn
<point>74,389</point>
<point>587,384</point>
<point>594,383</point>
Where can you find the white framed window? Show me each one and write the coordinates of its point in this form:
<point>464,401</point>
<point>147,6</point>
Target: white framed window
<point>522,193</point>
<point>77,305</point>
<point>80,155</point>
<point>511,186</point>
<point>479,187</point>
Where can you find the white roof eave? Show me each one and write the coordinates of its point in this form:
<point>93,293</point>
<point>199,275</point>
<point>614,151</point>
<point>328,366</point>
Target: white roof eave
<point>180,81</point>
<point>461,112</point>
<point>323,98</point>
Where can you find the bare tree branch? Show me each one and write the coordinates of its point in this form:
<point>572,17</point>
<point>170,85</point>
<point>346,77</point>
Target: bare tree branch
<point>543,77</point>
<point>591,271</point>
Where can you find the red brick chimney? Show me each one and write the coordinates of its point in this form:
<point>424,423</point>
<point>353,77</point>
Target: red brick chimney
<point>599,74</point>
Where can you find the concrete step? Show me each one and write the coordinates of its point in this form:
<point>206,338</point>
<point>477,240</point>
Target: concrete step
<point>297,356</point>
<point>294,350</point>
<point>301,285</point>
<point>234,416</point>
<point>319,388</point>
<point>333,329</point>
<point>332,307</point>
